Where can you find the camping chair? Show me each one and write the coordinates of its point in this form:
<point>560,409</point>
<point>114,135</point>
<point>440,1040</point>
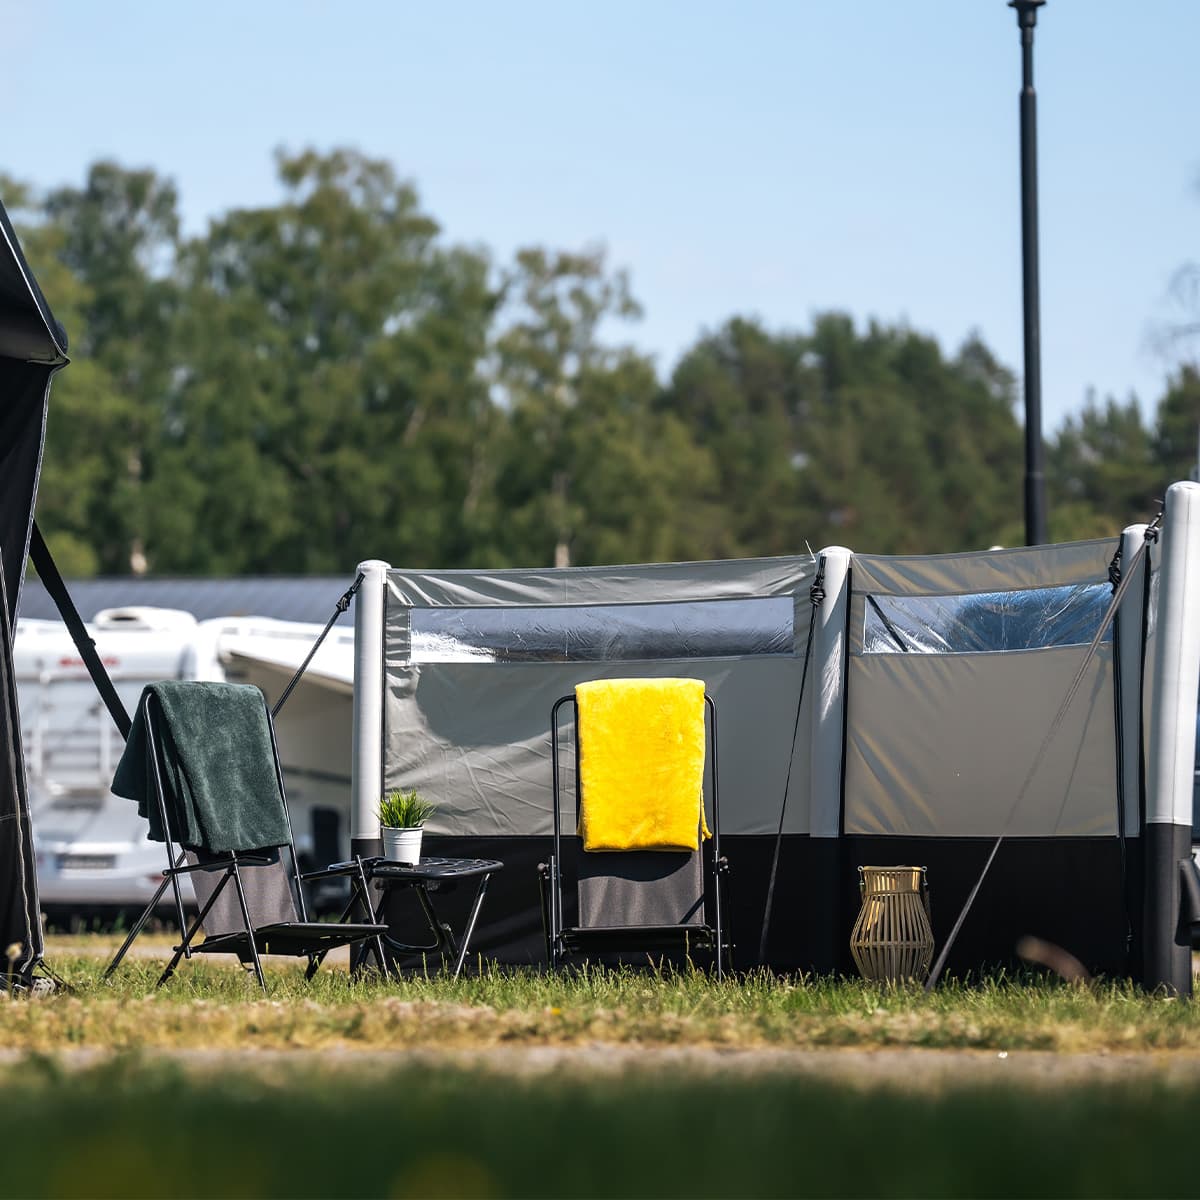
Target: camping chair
<point>632,901</point>
<point>265,912</point>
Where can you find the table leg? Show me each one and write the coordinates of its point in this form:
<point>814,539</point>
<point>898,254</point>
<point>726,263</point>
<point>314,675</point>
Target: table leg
<point>470,927</point>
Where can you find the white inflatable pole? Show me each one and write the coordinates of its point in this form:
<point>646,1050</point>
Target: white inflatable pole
<point>1130,621</point>
<point>367,761</point>
<point>827,685</point>
<point>1170,758</point>
<point>827,675</point>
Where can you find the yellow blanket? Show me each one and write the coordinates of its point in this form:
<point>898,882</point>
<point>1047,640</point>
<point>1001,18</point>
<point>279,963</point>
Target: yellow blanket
<point>641,745</point>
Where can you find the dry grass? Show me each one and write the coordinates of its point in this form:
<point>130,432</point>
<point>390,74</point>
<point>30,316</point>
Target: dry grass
<point>210,1005</point>
<point>679,1122</point>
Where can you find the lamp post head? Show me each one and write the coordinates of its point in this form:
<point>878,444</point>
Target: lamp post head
<point>1026,11</point>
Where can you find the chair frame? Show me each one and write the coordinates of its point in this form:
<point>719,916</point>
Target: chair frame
<point>560,941</point>
<point>232,861</point>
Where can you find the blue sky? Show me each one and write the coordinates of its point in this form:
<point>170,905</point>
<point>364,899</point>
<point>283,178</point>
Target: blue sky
<point>773,159</point>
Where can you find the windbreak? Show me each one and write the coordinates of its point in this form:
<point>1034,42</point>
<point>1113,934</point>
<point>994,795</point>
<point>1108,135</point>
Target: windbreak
<point>958,666</point>
<point>474,662</point>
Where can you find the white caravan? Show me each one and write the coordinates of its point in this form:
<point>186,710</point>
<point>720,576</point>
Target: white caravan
<point>93,852</point>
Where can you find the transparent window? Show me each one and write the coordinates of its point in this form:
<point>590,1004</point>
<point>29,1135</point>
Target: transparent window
<point>604,633</point>
<point>985,621</point>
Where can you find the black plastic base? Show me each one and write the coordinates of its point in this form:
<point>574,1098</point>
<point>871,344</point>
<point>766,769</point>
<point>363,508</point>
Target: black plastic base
<point>1168,946</point>
<point>1069,891</point>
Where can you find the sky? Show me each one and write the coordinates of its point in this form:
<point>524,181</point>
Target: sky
<point>771,158</point>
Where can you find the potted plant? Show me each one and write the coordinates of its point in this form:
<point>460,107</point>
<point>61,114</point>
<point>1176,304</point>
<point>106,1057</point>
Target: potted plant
<point>402,817</point>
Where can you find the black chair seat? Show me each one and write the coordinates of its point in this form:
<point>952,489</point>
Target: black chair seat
<point>300,939</point>
<point>615,938</point>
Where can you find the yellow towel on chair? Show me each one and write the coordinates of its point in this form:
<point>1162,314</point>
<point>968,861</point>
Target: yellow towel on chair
<point>641,768</point>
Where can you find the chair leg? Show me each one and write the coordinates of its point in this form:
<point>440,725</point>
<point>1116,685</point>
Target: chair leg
<point>237,879</point>
<point>180,951</point>
<point>544,891</point>
<point>724,948</point>
<point>556,919</point>
<point>189,934</point>
<point>138,927</point>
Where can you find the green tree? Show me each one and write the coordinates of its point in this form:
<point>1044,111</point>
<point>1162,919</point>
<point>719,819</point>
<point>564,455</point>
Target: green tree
<point>874,439</point>
<point>1177,429</point>
<point>1101,471</point>
<point>327,405</point>
<point>87,434</point>
<point>590,471</point>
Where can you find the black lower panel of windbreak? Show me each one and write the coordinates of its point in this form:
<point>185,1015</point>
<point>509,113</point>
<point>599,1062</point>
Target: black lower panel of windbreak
<point>1068,891</point>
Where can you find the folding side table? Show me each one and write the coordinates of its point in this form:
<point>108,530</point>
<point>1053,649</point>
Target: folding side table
<point>425,878</point>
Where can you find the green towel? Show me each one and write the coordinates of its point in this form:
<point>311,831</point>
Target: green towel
<point>218,767</point>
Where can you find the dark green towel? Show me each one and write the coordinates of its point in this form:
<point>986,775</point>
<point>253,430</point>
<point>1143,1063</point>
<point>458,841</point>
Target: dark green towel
<point>218,769</point>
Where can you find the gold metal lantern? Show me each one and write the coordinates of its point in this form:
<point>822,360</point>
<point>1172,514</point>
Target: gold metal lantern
<point>892,939</point>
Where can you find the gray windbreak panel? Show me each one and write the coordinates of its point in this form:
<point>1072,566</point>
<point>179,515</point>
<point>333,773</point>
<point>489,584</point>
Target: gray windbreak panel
<point>940,740</point>
<point>475,661</point>
<point>939,745</point>
<point>984,571</point>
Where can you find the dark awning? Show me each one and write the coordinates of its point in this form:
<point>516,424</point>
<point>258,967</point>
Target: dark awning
<point>32,347</point>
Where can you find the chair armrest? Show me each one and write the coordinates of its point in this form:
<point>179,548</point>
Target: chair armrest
<point>246,860</point>
<point>336,871</point>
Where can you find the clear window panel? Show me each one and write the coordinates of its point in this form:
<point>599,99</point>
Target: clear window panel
<point>985,621</point>
<point>604,633</point>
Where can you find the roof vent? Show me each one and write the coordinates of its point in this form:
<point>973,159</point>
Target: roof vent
<point>143,618</point>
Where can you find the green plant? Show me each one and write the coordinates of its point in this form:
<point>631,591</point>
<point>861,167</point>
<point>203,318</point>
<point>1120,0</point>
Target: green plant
<point>404,810</point>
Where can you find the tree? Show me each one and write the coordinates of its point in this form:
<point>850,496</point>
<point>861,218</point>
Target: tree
<point>327,405</point>
<point>1176,441</point>
<point>83,490</point>
<point>590,471</point>
<point>872,439</point>
<point>1102,472</point>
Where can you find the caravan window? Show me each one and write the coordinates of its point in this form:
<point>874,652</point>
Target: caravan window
<point>604,633</point>
<point>985,621</point>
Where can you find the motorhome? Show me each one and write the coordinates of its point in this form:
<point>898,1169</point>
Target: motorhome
<point>92,849</point>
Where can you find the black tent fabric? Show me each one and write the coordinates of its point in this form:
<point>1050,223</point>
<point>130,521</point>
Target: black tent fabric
<point>32,347</point>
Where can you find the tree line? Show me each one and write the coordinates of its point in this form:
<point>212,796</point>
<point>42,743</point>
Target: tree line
<point>329,379</point>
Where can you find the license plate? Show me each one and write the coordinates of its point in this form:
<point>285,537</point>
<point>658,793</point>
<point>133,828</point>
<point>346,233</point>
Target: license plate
<point>86,862</point>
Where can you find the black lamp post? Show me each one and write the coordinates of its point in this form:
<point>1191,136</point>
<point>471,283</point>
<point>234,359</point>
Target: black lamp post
<point>1035,480</point>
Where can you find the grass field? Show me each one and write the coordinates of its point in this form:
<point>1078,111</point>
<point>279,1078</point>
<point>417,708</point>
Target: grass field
<point>210,1004</point>
<point>658,1085</point>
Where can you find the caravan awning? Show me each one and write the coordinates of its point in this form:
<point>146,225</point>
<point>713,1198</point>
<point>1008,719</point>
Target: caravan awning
<point>32,347</point>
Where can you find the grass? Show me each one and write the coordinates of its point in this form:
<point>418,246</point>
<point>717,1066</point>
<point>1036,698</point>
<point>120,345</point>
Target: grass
<point>135,1123</point>
<point>132,1128</point>
<point>213,1005</point>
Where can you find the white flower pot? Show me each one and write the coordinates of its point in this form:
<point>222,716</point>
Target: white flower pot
<point>402,845</point>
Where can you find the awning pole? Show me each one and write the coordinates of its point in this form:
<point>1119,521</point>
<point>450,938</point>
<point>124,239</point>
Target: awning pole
<point>367,760</point>
<point>1170,757</point>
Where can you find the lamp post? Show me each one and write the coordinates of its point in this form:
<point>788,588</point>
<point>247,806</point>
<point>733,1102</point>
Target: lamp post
<point>1035,480</point>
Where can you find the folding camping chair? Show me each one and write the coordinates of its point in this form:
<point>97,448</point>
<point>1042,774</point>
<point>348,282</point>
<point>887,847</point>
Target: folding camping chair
<point>633,901</point>
<point>266,912</point>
